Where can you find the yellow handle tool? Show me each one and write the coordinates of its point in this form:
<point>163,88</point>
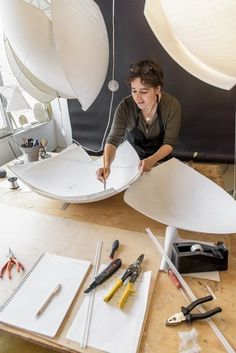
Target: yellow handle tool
<point>110,294</point>
<point>129,290</point>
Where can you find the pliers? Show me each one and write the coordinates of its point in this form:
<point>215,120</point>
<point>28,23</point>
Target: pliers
<point>132,271</point>
<point>185,315</point>
<point>10,263</point>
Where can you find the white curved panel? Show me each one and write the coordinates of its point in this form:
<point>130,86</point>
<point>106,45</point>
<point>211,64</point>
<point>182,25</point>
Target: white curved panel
<point>29,82</point>
<point>29,32</point>
<point>71,176</point>
<point>175,194</point>
<point>82,45</point>
<point>198,35</point>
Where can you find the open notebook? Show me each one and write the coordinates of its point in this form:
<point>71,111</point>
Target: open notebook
<point>49,270</point>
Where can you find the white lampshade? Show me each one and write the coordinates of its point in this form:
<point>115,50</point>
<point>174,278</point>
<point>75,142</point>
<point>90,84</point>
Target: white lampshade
<point>68,55</point>
<point>27,80</point>
<point>17,102</point>
<point>199,35</point>
<point>29,32</point>
<point>82,45</point>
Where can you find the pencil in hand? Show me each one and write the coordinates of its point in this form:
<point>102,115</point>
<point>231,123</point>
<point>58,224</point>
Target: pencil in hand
<point>104,174</point>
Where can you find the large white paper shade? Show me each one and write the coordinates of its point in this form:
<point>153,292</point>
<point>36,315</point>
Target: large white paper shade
<point>29,32</point>
<point>82,45</point>
<point>71,176</point>
<point>199,35</point>
<point>29,82</point>
<point>175,194</point>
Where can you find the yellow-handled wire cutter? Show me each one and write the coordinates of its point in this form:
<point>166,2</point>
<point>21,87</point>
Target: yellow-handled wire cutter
<point>132,271</point>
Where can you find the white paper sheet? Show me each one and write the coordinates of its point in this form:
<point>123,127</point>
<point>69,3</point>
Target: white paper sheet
<point>111,328</point>
<point>71,175</point>
<point>175,194</point>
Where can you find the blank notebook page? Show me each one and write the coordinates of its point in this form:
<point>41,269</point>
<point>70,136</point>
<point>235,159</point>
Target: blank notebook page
<point>48,271</point>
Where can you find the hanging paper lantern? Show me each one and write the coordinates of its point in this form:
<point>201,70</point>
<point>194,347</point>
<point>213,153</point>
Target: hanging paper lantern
<point>27,80</point>
<point>29,32</point>
<point>68,55</point>
<point>82,46</point>
<point>199,35</point>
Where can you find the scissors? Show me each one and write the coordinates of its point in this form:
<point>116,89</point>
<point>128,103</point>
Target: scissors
<point>132,273</point>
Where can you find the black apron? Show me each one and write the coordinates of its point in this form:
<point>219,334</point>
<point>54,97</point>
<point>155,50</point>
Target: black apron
<point>145,147</point>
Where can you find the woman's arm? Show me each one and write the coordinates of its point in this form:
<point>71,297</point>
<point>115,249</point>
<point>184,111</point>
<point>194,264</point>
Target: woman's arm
<point>146,164</point>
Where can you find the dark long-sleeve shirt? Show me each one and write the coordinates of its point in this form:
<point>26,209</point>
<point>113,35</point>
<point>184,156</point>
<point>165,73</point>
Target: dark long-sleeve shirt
<point>127,112</point>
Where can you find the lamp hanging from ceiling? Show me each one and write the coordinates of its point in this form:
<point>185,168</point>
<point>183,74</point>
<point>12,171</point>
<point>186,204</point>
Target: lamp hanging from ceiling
<point>27,80</point>
<point>73,68</point>
<point>17,102</point>
<point>15,99</point>
<point>29,32</point>
<point>199,35</point>
<point>82,45</point>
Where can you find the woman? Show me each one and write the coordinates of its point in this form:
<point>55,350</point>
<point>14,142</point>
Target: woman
<point>149,119</point>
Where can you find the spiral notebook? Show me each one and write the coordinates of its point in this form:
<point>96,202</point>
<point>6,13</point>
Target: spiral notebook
<point>20,308</point>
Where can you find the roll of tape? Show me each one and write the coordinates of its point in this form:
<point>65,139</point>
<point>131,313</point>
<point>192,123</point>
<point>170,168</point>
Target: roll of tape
<point>196,247</point>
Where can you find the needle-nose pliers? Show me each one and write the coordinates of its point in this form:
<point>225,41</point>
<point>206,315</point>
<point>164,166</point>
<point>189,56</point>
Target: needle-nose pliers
<point>12,260</point>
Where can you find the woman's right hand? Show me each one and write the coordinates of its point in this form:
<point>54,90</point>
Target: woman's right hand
<point>103,174</point>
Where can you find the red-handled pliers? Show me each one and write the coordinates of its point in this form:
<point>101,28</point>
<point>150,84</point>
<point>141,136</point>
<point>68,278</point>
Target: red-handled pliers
<point>10,263</point>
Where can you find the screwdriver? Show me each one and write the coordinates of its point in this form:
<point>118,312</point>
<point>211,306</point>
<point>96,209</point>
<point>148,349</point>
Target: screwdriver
<point>114,247</point>
<point>177,283</point>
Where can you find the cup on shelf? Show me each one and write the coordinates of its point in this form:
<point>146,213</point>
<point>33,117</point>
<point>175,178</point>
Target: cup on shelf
<point>31,154</point>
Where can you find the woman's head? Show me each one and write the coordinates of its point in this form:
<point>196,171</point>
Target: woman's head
<point>149,72</point>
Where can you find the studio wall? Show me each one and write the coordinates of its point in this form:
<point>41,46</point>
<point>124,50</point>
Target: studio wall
<point>208,113</point>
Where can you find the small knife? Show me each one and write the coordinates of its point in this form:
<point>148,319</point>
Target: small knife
<point>105,274</point>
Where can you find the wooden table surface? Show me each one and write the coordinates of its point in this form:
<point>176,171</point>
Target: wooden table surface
<point>166,299</point>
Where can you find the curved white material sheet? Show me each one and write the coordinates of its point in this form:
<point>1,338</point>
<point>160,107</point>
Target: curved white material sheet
<point>29,32</point>
<point>199,35</point>
<point>71,175</point>
<point>175,194</point>
<point>82,45</point>
<point>29,82</point>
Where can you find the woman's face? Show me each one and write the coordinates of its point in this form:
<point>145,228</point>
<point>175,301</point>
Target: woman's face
<point>144,96</point>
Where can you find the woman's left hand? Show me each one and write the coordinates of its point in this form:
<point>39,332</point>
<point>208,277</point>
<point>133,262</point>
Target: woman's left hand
<point>145,165</point>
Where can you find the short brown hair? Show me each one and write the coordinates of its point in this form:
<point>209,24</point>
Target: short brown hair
<point>149,72</point>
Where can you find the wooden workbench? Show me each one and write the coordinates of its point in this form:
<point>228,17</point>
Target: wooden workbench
<point>166,299</point>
